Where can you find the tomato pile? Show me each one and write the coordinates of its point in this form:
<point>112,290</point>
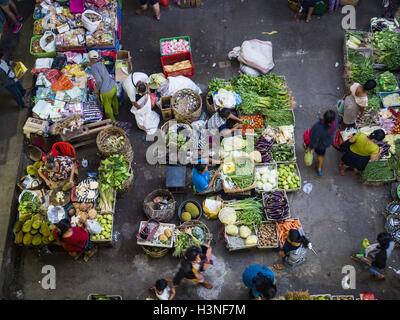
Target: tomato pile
<point>252,122</point>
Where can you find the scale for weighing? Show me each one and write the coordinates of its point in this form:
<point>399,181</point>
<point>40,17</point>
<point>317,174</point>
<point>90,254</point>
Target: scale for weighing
<point>175,178</point>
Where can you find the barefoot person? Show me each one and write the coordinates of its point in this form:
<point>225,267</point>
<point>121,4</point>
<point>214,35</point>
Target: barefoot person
<point>144,5</point>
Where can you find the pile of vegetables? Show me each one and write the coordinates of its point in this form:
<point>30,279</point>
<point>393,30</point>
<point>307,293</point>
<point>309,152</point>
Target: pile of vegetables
<point>387,48</point>
<point>357,40</point>
<point>267,236</point>
<point>266,178</point>
<point>249,212</point>
<point>178,138</point>
<point>387,82</point>
<point>188,237</point>
<point>29,204</point>
<point>276,206</point>
<point>378,171</point>
<point>106,222</point>
<point>252,122</point>
<point>280,135</point>
<point>106,199</point>
<point>33,229</point>
<point>298,295</point>
<point>284,227</point>
<point>114,171</point>
<point>277,118</point>
<point>287,177</point>
<point>360,68</point>
<point>114,143</point>
<point>217,83</point>
<point>374,102</point>
<point>283,153</point>
<point>264,146</point>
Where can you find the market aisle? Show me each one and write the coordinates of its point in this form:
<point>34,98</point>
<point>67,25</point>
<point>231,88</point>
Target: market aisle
<point>337,214</point>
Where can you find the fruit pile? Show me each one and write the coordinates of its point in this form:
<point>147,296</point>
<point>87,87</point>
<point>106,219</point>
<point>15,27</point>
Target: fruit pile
<point>106,222</point>
<point>33,230</point>
<point>287,177</point>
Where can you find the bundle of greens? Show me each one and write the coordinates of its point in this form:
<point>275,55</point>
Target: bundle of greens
<point>106,199</point>
<point>114,171</point>
<point>361,69</point>
<point>249,212</point>
<point>387,48</point>
<point>277,118</point>
<point>217,83</point>
<point>374,102</point>
<point>387,82</point>
<point>378,171</point>
<point>29,204</point>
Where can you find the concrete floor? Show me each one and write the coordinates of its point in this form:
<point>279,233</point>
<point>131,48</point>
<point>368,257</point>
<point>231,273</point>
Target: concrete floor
<point>337,214</point>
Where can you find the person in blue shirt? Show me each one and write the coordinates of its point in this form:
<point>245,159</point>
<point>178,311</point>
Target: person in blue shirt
<point>260,280</point>
<point>201,177</point>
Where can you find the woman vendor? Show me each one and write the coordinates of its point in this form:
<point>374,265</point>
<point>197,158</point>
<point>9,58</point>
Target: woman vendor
<point>201,178</point>
<point>362,149</point>
<point>261,282</point>
<point>75,240</point>
<point>356,102</point>
<point>294,249</point>
<point>225,121</point>
<point>58,171</point>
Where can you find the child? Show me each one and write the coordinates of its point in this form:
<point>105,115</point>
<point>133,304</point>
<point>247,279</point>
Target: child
<point>164,289</point>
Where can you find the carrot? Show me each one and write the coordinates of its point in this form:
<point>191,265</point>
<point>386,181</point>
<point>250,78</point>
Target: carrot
<point>284,227</point>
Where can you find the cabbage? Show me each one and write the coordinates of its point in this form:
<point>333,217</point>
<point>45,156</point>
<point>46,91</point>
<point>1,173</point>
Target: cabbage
<point>251,240</point>
<point>227,216</point>
<point>256,156</point>
<point>244,232</point>
<point>232,230</point>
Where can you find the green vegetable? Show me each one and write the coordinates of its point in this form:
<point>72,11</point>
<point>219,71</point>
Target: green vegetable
<point>387,82</point>
<point>114,171</point>
<point>184,241</point>
<point>361,69</point>
<point>277,118</point>
<point>287,177</point>
<point>216,84</point>
<point>283,153</point>
<point>387,48</point>
<point>106,198</point>
<point>242,182</point>
<point>378,171</point>
<point>31,206</point>
<point>374,102</point>
<point>249,212</point>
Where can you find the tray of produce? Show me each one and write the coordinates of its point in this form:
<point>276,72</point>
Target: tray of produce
<point>358,40</point>
<point>378,172</point>
<point>284,226</point>
<point>343,297</point>
<point>174,45</point>
<point>162,238</point>
<point>87,190</point>
<point>267,236</point>
<point>107,224</point>
<point>386,51</point>
<point>321,297</point>
<point>289,178</point>
<point>280,135</point>
<point>280,117</point>
<point>266,177</point>
<point>238,175</point>
<point>264,146</point>
<point>276,205</point>
<point>238,237</point>
<point>252,122</point>
<point>387,82</point>
<point>390,99</point>
<point>192,233</point>
<point>283,153</point>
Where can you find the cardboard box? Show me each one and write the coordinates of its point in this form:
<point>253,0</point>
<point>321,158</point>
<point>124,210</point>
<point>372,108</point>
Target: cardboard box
<point>123,66</point>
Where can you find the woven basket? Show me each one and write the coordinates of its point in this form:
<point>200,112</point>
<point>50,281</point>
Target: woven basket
<point>105,134</point>
<point>159,215</point>
<point>196,223</point>
<point>127,152</point>
<point>170,125</point>
<point>128,183</point>
<point>155,252</point>
<point>190,116</point>
<point>211,109</point>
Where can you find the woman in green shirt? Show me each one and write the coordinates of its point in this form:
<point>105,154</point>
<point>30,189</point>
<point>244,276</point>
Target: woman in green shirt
<point>362,149</point>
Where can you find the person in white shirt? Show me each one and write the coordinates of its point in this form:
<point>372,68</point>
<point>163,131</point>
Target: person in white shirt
<point>164,289</point>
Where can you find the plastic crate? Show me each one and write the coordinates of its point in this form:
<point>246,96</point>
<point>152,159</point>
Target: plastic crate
<point>277,237</point>
<point>169,60</point>
<point>187,38</point>
<point>41,54</point>
<point>382,95</point>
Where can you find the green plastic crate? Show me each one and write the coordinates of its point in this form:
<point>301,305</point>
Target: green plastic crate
<point>187,38</point>
<point>42,54</point>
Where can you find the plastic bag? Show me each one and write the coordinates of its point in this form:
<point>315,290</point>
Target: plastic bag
<point>93,226</point>
<point>340,107</point>
<point>249,70</point>
<point>88,24</point>
<point>225,99</point>
<point>63,83</point>
<point>48,41</point>
<point>130,82</point>
<point>308,158</point>
<point>257,54</point>
<point>307,137</point>
<point>146,118</point>
<point>174,84</point>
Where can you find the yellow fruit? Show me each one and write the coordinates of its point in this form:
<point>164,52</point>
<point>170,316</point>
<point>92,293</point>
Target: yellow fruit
<point>45,240</point>
<point>186,216</point>
<point>24,217</point>
<point>51,237</point>
<point>36,224</point>
<point>27,226</point>
<point>44,229</point>
<point>27,240</point>
<point>228,168</point>
<point>37,217</point>
<point>168,233</point>
<point>37,240</point>
<point>34,231</point>
<point>17,227</point>
<point>163,237</point>
<point>19,237</point>
<point>192,209</point>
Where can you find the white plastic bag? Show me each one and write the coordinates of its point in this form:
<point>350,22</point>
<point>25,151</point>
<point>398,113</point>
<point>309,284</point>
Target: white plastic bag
<point>174,84</point>
<point>48,41</point>
<point>225,99</point>
<point>257,54</point>
<point>249,70</point>
<point>89,25</point>
<point>130,83</point>
<point>93,226</point>
<point>146,118</point>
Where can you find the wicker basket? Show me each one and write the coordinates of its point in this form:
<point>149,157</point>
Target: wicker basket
<point>171,125</point>
<point>127,152</point>
<point>128,183</point>
<point>155,252</point>
<point>105,134</point>
<point>190,116</point>
<point>196,223</point>
<point>211,109</point>
<point>159,215</point>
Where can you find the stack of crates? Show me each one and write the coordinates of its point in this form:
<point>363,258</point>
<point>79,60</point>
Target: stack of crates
<point>174,58</point>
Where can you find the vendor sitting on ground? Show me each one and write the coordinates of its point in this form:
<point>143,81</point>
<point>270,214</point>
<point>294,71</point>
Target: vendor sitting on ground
<point>225,120</point>
<point>201,177</point>
<point>75,240</point>
<point>362,149</point>
<point>58,171</point>
<point>294,250</point>
<point>356,102</point>
<point>105,85</point>
<point>261,282</point>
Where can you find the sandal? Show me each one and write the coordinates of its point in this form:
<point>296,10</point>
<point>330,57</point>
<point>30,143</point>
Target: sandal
<point>158,17</point>
<point>89,254</point>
